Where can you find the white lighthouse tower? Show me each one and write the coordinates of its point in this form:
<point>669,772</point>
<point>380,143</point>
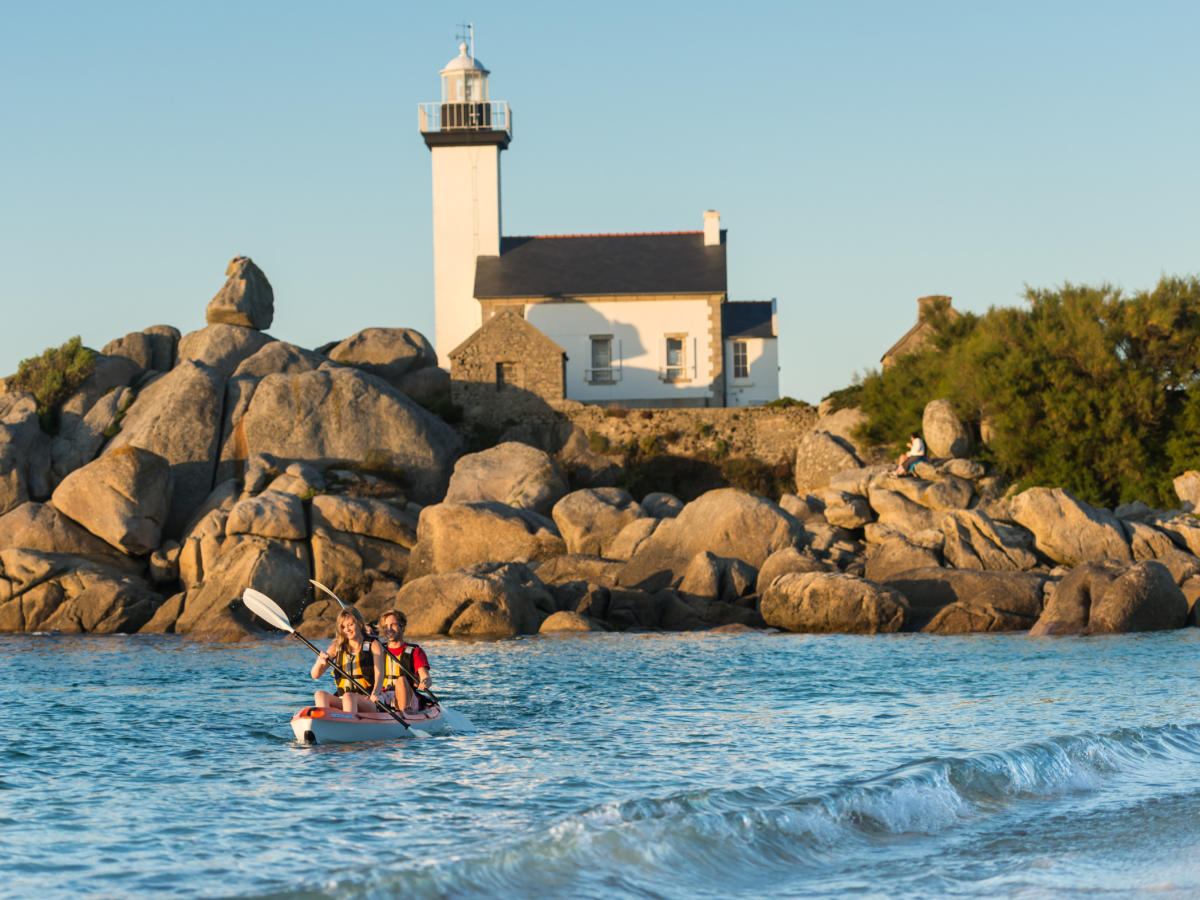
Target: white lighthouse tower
<point>465,133</point>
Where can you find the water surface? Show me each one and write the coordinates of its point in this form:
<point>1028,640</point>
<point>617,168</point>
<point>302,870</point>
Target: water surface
<point>606,766</point>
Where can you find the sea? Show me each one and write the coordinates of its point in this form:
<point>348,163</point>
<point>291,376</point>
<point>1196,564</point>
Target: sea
<point>612,765</point>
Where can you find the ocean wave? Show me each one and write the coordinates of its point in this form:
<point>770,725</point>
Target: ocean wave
<point>750,839</point>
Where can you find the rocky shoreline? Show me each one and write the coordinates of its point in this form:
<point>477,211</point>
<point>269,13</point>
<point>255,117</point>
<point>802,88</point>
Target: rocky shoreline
<point>188,467</point>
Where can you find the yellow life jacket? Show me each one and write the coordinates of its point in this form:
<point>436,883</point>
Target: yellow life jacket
<point>360,666</point>
<point>399,666</point>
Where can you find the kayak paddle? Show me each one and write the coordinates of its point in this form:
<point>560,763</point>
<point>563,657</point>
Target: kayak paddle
<point>318,584</point>
<point>268,610</point>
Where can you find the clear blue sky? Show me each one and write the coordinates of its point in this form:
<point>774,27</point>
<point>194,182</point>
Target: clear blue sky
<point>861,154</point>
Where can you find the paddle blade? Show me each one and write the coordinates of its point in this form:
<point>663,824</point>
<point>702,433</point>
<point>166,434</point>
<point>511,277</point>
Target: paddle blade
<point>322,587</point>
<point>458,722</point>
<point>266,609</point>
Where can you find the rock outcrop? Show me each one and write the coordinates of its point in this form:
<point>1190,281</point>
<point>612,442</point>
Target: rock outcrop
<point>943,430</point>
<point>1067,530</point>
<point>511,473</point>
<point>727,522</point>
<point>335,416</point>
<point>820,603</point>
<point>458,535</point>
<point>390,353</point>
<point>1110,597</point>
<point>590,520</point>
<point>122,497</point>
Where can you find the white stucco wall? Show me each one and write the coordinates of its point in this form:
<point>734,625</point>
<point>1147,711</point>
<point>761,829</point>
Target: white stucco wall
<point>762,386</point>
<point>466,224</point>
<point>639,330</point>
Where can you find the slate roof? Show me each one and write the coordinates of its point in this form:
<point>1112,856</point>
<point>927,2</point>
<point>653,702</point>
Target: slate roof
<point>551,266</point>
<point>503,321</point>
<point>747,318</point>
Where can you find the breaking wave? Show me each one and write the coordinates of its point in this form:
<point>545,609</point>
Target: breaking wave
<point>718,842</point>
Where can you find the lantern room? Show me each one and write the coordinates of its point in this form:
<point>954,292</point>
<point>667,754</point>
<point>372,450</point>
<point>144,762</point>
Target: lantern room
<point>464,80</point>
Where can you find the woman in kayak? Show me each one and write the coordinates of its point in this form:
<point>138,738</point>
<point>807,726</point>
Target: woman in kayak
<point>406,667</point>
<point>359,658</point>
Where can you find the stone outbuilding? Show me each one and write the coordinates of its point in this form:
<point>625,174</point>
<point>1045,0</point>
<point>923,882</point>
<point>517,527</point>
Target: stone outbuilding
<point>506,368</point>
<point>918,337</point>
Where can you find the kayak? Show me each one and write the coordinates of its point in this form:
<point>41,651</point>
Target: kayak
<point>327,725</point>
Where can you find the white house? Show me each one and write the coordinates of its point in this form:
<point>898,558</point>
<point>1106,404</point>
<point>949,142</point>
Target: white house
<point>644,318</point>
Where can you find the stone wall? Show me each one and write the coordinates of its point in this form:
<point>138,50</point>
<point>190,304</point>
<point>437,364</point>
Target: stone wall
<point>766,433</point>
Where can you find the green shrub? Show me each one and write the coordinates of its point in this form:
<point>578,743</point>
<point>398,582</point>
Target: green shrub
<point>720,449</point>
<point>758,477</point>
<point>684,476</point>
<point>445,409</point>
<point>598,443</point>
<point>688,477</point>
<point>784,403</point>
<point>615,412</point>
<point>1085,389</point>
<point>650,445</point>
<point>704,429</point>
<point>671,435</point>
<point>53,377</point>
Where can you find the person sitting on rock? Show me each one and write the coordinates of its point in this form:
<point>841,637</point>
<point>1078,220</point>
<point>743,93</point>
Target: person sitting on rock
<point>406,667</point>
<point>359,658</point>
<point>915,454</point>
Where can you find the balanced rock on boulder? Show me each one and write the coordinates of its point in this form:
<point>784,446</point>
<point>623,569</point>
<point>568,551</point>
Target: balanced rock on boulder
<point>245,299</point>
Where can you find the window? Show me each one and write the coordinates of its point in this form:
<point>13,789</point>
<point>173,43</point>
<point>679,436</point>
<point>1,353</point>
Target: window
<point>741,364</point>
<point>508,374</point>
<point>676,368</point>
<point>601,371</point>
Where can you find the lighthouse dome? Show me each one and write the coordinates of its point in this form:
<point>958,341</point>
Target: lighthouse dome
<point>464,62</point>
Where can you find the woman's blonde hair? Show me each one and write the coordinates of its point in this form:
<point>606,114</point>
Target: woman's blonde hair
<point>341,643</point>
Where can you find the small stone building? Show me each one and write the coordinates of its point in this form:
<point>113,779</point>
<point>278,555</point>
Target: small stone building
<point>917,338</point>
<point>505,369</point>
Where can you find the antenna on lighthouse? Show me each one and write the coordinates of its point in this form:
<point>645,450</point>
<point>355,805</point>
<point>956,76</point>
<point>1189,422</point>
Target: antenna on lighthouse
<point>466,32</point>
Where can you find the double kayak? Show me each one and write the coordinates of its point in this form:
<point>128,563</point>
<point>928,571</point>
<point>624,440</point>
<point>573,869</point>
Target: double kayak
<point>327,725</point>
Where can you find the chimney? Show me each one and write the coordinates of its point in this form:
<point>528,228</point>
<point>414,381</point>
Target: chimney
<point>926,305</point>
<point>712,228</point>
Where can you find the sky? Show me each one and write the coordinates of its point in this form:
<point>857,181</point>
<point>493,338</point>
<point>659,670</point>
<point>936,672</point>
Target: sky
<point>861,154</point>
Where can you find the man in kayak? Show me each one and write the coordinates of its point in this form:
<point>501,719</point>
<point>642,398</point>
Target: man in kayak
<point>405,666</point>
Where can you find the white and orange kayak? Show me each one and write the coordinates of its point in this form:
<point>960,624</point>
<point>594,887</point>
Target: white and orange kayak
<point>324,725</point>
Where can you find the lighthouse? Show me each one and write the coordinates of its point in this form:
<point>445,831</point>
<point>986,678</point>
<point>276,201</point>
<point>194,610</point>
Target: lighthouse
<point>465,133</point>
